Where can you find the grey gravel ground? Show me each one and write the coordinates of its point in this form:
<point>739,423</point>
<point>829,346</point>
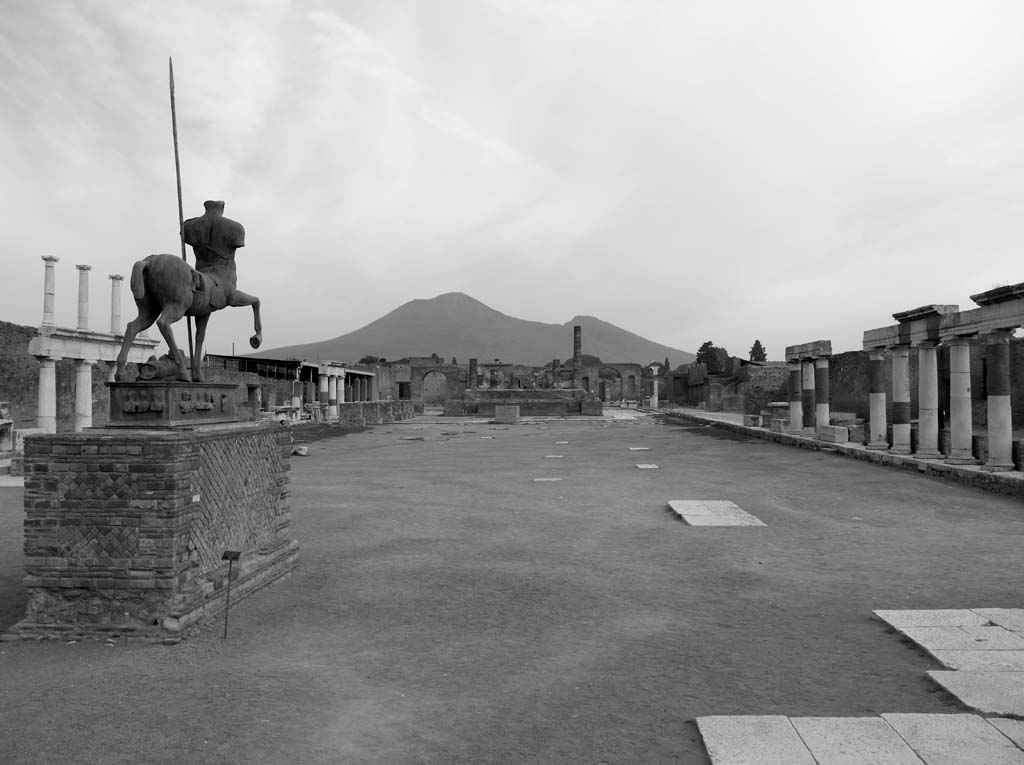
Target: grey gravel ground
<point>448,608</point>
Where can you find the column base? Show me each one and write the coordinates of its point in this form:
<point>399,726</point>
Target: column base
<point>878,445</point>
<point>998,466</point>
<point>929,455</point>
<point>809,430</point>
<point>900,449</point>
<point>961,459</point>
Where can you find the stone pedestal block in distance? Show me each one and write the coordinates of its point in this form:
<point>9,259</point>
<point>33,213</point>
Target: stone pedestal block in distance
<point>506,414</point>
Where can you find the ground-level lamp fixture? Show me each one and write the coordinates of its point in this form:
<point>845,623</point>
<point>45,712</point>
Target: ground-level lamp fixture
<point>230,556</point>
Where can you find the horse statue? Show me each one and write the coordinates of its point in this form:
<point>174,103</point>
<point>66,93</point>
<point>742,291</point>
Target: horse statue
<point>166,287</point>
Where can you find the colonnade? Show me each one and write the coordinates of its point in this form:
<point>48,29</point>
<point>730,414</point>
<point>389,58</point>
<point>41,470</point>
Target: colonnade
<point>809,386</point>
<point>961,428</point>
<point>86,347</point>
<point>338,385</point>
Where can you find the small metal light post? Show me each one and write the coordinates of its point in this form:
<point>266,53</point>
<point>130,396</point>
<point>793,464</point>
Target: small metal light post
<point>230,556</point>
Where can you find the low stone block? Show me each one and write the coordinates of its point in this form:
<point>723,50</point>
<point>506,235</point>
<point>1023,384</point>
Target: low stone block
<point>752,420</point>
<point>753,739</point>
<point>506,414</point>
<point>853,740</point>
<point>833,434</point>
<point>779,425</point>
<point>954,738</point>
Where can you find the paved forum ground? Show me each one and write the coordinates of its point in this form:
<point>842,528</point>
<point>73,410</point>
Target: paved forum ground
<point>450,608</point>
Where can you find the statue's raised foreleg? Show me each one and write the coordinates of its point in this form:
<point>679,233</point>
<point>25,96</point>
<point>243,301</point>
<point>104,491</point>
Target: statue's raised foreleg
<point>239,300</point>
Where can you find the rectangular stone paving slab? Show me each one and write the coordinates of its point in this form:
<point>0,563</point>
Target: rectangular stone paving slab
<point>988,691</point>
<point>949,617</point>
<point>647,466</point>
<point>542,480</point>
<point>639,448</point>
<point>1011,661</point>
<point>954,739</point>
<point>552,456</point>
<point>753,740</point>
<point>713,512</point>
<point>990,638</point>
<point>1009,618</point>
<point>854,741</point>
<point>1012,729</point>
<point>560,442</point>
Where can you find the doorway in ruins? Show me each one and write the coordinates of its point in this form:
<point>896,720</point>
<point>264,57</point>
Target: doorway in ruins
<point>435,389</point>
<point>610,385</point>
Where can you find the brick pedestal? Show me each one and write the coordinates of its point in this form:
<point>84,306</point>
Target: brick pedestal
<point>125,529</point>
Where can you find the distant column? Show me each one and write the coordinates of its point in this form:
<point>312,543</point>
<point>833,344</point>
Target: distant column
<point>473,372</point>
<point>83,395</point>
<point>332,396</point>
<point>900,400</point>
<point>927,401</point>
<point>997,394</point>
<point>654,391</point>
<point>323,391</point>
<point>961,426</point>
<point>46,412</point>
<point>821,392</point>
<point>341,388</point>
<point>796,411</point>
<point>807,395</point>
<point>83,296</point>
<point>878,434</point>
<point>115,304</point>
<point>577,355</point>
<point>48,292</point>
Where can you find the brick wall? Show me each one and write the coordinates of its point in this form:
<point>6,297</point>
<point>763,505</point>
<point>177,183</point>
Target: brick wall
<point>124,530</point>
<point>374,412</point>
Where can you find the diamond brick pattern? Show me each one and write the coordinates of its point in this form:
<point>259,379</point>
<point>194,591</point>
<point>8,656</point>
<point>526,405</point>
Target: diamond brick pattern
<point>98,541</point>
<point>238,509</point>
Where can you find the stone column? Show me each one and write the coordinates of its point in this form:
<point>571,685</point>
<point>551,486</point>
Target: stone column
<point>928,401</point>
<point>115,304</point>
<point>323,392</point>
<point>83,296</point>
<point>997,394</point>
<point>83,395</point>
<point>900,400</point>
<point>48,292</point>
<point>821,391</point>
<point>46,412</point>
<point>654,391</point>
<point>341,388</point>
<point>878,437</point>
<point>961,448</point>
<point>807,395</point>
<point>796,411</point>
<point>332,397</point>
<point>472,374</point>
<point>577,355</point>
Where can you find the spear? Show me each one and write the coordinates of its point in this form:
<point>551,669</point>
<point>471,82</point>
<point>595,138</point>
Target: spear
<point>181,212</point>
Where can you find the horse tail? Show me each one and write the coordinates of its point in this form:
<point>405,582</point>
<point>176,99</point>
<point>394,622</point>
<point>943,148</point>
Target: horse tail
<point>138,281</point>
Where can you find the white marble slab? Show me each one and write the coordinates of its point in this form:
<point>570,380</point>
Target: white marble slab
<point>948,617</point>
<point>988,691</point>
<point>560,442</point>
<point>955,739</point>
<point>639,448</point>
<point>712,512</point>
<point>752,740</point>
<point>1012,729</point>
<point>12,481</point>
<point>1009,618</point>
<point>545,480</point>
<point>647,466</point>
<point>1011,661</point>
<point>965,638</point>
<point>552,456</point>
<point>854,741</point>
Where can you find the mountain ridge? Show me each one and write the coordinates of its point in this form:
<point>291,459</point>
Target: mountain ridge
<point>454,324</point>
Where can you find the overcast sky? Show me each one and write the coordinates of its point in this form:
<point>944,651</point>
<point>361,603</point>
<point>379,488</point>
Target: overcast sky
<point>689,171</point>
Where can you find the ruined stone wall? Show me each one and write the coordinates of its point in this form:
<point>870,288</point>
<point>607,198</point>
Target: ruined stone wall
<point>124,530</point>
<point>361,413</point>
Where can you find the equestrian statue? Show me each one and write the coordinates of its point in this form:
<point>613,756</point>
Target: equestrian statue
<point>166,287</point>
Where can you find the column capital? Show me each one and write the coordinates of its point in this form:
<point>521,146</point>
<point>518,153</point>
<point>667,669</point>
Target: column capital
<point>50,258</point>
<point>1001,335</point>
<point>116,277</point>
<point>927,343</point>
<point>959,339</point>
<point>82,267</point>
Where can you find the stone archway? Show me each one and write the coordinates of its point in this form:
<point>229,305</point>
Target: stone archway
<point>610,387</point>
<point>435,388</point>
